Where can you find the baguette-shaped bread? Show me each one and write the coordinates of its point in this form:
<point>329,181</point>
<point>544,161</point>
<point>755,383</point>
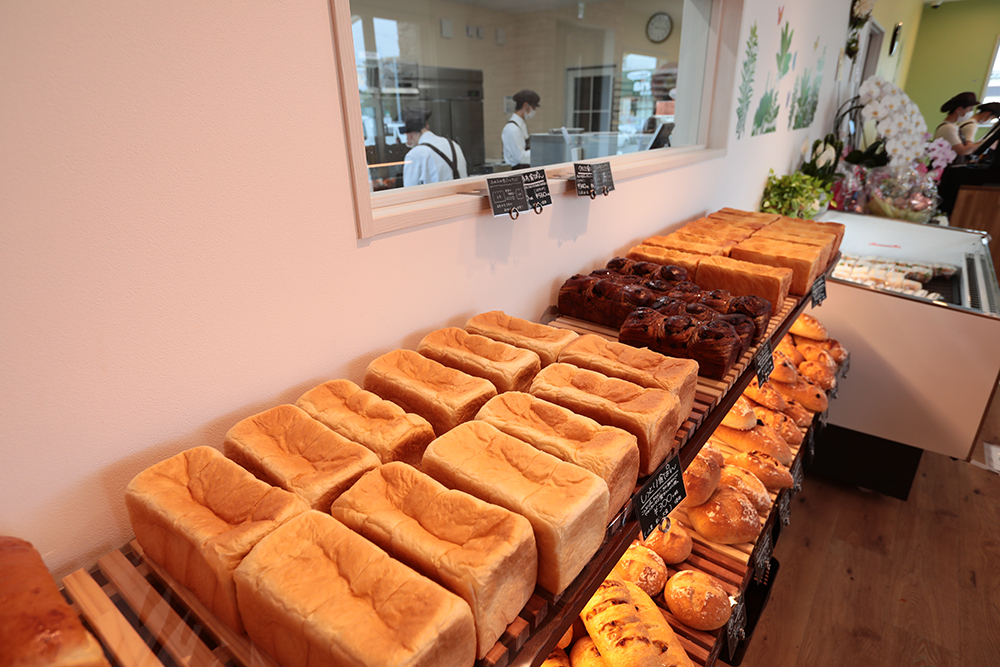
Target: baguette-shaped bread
<point>509,368</point>
<point>315,592</point>
<point>672,653</point>
<point>613,622</point>
<point>483,553</point>
<point>804,261</point>
<point>444,396</point>
<point>826,243</point>
<point>780,422</point>
<point>543,340</point>
<point>610,453</point>
<point>198,514</point>
<point>37,627</point>
<point>565,504</point>
<point>745,278</point>
<point>651,415</point>
<point>285,447</point>
<point>746,482</point>
<point>672,242</point>
<point>359,415</point>
<point>659,255</point>
<point>804,392</point>
<point>761,438</point>
<point>640,365</point>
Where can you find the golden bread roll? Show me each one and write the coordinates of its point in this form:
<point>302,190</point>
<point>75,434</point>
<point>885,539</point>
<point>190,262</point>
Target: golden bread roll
<point>787,347</point>
<point>818,354</point>
<point>543,340</point>
<point>819,373</point>
<point>761,438</point>
<point>314,592</point>
<point>836,350</point>
<point>566,639</point>
<point>727,518</point>
<point>509,368</point>
<point>698,600</point>
<point>670,541</point>
<point>619,634</point>
<point>747,483</point>
<point>765,395</point>
<point>784,369</point>
<point>37,627</point>
<point>740,416</point>
<point>584,653</point>
<point>643,567</point>
<point>780,422</point>
<point>804,392</point>
<point>712,452</point>
<point>672,653</point>
<point>807,326</point>
<point>765,468</point>
<point>557,658</point>
<point>798,414</point>
<point>701,477</point>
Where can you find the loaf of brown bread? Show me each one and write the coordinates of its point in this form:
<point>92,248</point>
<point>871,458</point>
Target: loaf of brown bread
<point>315,592</point>
<point>613,622</point>
<point>727,518</point>
<point>698,600</point>
<point>509,368</point>
<point>543,340</point>
<point>37,627</point>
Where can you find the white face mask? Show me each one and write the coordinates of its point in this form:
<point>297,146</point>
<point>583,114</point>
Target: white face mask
<point>967,116</point>
<point>530,114</point>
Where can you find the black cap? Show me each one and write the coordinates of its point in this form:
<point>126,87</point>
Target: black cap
<point>414,119</point>
<point>991,107</point>
<point>966,99</point>
<point>526,96</point>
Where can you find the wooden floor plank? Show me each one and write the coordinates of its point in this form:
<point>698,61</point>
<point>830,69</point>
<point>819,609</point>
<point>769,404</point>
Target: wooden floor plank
<point>979,580</point>
<point>902,649</point>
<point>868,520</point>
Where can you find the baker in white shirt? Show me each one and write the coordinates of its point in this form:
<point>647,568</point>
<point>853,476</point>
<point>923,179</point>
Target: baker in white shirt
<point>431,158</point>
<point>959,109</point>
<point>515,137</point>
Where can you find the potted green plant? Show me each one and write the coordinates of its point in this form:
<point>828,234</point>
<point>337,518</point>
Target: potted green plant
<point>797,195</point>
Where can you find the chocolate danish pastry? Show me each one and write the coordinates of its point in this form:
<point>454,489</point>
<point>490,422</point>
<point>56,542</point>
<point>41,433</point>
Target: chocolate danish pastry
<point>715,346</point>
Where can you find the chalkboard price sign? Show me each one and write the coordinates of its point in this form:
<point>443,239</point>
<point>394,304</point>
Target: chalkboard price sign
<point>762,555</point>
<point>536,187</point>
<point>764,361</point>
<point>818,291</point>
<point>662,492</point>
<point>603,182</point>
<point>507,195</point>
<point>736,627</point>
<point>584,179</point>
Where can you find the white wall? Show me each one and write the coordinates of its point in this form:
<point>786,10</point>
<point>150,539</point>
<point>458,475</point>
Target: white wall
<point>176,252</point>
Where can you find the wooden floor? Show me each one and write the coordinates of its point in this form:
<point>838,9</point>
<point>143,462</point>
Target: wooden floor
<point>867,580</point>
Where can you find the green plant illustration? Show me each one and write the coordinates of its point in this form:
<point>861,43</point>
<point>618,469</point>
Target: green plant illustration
<point>784,57</point>
<point>766,117</point>
<point>746,83</point>
<point>805,98</point>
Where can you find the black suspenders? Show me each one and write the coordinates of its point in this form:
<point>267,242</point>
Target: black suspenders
<point>453,162</point>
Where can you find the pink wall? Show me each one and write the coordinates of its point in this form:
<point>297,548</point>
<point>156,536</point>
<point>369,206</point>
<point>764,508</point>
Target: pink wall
<point>175,252</point>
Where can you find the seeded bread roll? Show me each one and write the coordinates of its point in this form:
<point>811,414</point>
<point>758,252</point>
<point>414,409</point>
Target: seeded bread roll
<point>672,653</point>
<point>836,350</point>
<point>727,518</point>
<point>780,422</point>
<point>557,658</point>
<point>740,416</point>
<point>585,654</point>
<point>670,541</point>
<point>818,354</point>
<point>765,395</point>
<point>798,414</point>
<point>765,468</point>
<point>807,326</point>
<point>784,369</point>
<point>509,368</point>
<point>761,438</point>
<point>747,483</point>
<point>698,600</point>
<point>787,347</point>
<point>818,373</point>
<point>613,623</point>
<point>701,478</point>
<point>543,340</point>
<point>643,567</point>
<point>712,452</point>
<point>808,395</point>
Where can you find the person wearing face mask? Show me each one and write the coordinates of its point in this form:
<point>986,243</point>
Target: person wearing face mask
<point>515,137</point>
<point>985,113</point>
<point>959,109</point>
<point>432,158</point>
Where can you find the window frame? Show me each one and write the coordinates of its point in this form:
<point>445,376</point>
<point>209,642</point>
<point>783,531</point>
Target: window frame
<point>402,209</point>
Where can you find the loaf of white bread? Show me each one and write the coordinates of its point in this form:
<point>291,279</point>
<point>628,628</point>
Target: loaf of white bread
<point>37,627</point>
<point>651,415</point>
<point>745,278</point>
<point>444,396</point>
<point>359,415</point>
<point>483,553</point>
<point>314,592</point>
<point>285,447</point>
<point>610,453</point>
<point>197,514</point>
<point>542,339</point>
<point>509,368</point>
<point>566,505</point>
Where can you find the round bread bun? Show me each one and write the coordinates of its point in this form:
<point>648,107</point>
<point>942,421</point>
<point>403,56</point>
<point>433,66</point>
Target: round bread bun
<point>727,518</point>
<point>711,451</point>
<point>747,483</point>
<point>816,353</point>
<point>781,423</point>
<point>765,395</point>
<point>670,542</point>
<point>765,468</point>
<point>566,639</point>
<point>740,416</point>
<point>836,350</point>
<point>784,369</point>
<point>787,347</point>
<point>558,658</point>
<point>698,600</point>
<point>585,654</point>
<point>818,373</point>
<point>700,479</point>
<point>807,326</point>
<point>761,438</point>
<point>643,567</point>
<point>798,414</point>
<point>804,392</point>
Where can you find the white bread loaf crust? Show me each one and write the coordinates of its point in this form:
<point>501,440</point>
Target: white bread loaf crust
<point>745,278</point>
<point>287,448</point>
<point>565,504</point>
<point>651,415</point>
<point>610,453</point>
<point>542,339</point>
<point>198,514</point>
<point>483,553</point>
<point>443,396</point>
<point>359,415</point>
<point>509,368</point>
<point>315,592</point>
<point>37,627</point>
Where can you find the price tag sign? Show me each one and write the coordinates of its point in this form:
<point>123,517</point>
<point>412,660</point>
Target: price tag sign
<point>536,186</point>
<point>785,508</point>
<point>507,195</point>
<point>821,419</point>
<point>797,475</point>
<point>602,177</point>
<point>584,179</point>
<point>811,444</point>
<point>834,391</point>
<point>762,556</point>
<point>818,291</point>
<point>764,361</point>
<point>736,627</point>
<point>662,492</point>
<point>846,366</point>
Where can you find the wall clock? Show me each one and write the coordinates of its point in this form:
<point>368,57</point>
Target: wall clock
<point>658,27</point>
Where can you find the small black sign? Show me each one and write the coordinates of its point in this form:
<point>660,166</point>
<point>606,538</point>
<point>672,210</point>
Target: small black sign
<point>833,391</point>
<point>584,179</point>
<point>846,366</point>
<point>821,419</point>
<point>762,555</point>
<point>602,177</point>
<point>797,474</point>
<point>662,492</point>
<point>736,627</point>
<point>818,291</point>
<point>811,444</point>
<point>507,193</point>
<point>764,361</point>
<point>537,188</point>
<point>785,508</point>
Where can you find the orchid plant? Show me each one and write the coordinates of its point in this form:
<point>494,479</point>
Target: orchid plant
<point>899,125</point>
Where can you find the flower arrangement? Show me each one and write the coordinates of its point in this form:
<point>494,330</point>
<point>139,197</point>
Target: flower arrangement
<point>822,160</point>
<point>861,11</point>
<point>898,122</point>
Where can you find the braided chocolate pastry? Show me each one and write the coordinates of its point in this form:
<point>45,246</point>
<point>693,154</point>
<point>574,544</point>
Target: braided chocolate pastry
<point>715,346</point>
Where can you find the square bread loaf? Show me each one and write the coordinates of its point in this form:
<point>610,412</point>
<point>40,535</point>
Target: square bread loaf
<point>674,242</point>
<point>198,514</point>
<point>287,448</point>
<point>543,340</point>
<point>745,279</point>
<point>719,229</point>
<point>826,242</point>
<point>314,592</point>
<point>483,553</point>
<point>812,228</point>
<point>380,425</point>
<point>651,415</point>
<point>444,396</point>
<point>659,255</point>
<point>509,368</point>
<point>804,261</point>
<point>565,504</point>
